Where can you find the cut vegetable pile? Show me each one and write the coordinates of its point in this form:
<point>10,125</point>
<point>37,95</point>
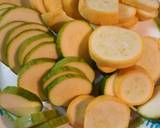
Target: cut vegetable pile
<point>63,51</point>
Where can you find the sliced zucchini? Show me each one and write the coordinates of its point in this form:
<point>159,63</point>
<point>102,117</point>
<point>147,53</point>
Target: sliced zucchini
<point>151,50</point>
<point>2,11</point>
<point>134,86</point>
<point>35,119</point>
<point>44,50</point>
<point>31,73</point>
<point>108,84</point>
<point>13,45</point>
<point>115,46</point>
<point>20,14</point>
<point>57,72</point>
<point>30,43</point>
<point>19,101</point>
<point>77,63</point>
<point>106,111</point>
<point>76,110</point>
<point>3,32</point>
<point>38,5</point>
<point>60,91</point>
<point>71,8</point>
<point>106,69</point>
<point>15,2</point>
<point>100,12</point>
<point>151,108</point>
<point>79,45</point>
<point>6,5</point>
<point>59,122</point>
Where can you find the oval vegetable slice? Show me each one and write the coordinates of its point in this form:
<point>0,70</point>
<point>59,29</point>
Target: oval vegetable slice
<point>106,69</point>
<point>44,50</point>
<point>24,102</point>
<point>38,5</point>
<point>151,108</point>
<point>134,86</point>
<point>102,12</point>
<point>77,63</point>
<point>30,43</point>
<point>150,59</point>
<point>107,111</point>
<point>76,110</point>
<point>57,72</point>
<point>31,73</point>
<point>77,40</point>
<point>115,46</point>
<point>60,91</point>
<point>15,2</point>
<point>5,5</point>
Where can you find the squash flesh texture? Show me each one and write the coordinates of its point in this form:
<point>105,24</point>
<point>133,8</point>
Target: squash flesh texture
<point>38,5</point>
<point>6,6</point>
<point>103,112</point>
<point>20,106</point>
<point>144,15</point>
<point>3,32</point>
<point>76,110</point>
<point>76,40</point>
<point>30,79</point>
<point>150,59</point>
<point>20,14</point>
<point>79,85</point>
<point>115,46</point>
<point>45,50</point>
<point>106,69</point>
<point>14,45</point>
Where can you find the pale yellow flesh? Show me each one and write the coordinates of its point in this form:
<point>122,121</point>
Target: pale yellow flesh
<point>18,105</point>
<point>150,59</point>
<point>108,112</point>
<point>148,5</point>
<point>115,46</point>
<point>145,15</point>
<point>102,12</point>
<point>75,36</point>
<point>32,45</point>
<point>45,51</point>
<point>109,85</point>
<point>17,2</point>
<point>76,110</point>
<point>66,90</point>
<point>21,14</point>
<point>85,68</point>
<point>3,33</point>
<point>126,12</point>
<point>12,50</point>
<point>30,80</point>
<point>135,87</point>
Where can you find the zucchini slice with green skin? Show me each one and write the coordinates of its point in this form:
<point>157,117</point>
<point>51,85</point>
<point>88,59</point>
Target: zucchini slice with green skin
<point>30,43</point>
<point>24,102</point>
<point>3,31</point>
<point>2,11</point>
<point>43,50</point>
<point>31,73</point>
<point>35,119</point>
<point>77,63</point>
<point>14,44</point>
<point>151,109</point>
<point>20,14</point>
<point>77,39</point>
<point>7,5</point>
<point>55,123</point>
<point>59,71</point>
<point>60,91</point>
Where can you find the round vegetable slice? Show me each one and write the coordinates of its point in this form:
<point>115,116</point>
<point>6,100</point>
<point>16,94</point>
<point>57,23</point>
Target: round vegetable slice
<point>60,91</point>
<point>106,69</point>
<point>38,5</point>
<point>77,40</point>
<point>77,63</point>
<point>134,86</point>
<point>7,5</point>
<point>150,59</point>
<point>76,110</point>
<point>115,46</point>
<point>44,50</point>
<point>102,12</point>
<point>30,43</point>
<point>59,71</point>
<point>31,73</point>
<point>106,111</point>
<point>24,102</point>
<point>15,2</point>
<point>151,108</point>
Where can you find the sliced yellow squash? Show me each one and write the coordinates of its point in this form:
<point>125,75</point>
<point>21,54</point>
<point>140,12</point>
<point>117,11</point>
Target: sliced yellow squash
<point>129,23</point>
<point>134,86</point>
<point>76,110</point>
<point>38,5</point>
<point>106,69</point>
